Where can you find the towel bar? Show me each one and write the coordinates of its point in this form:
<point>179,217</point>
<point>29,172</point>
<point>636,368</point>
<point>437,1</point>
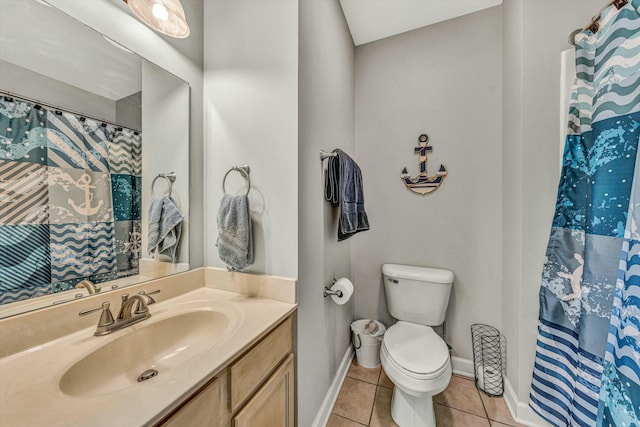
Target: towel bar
<point>170,177</point>
<point>244,171</point>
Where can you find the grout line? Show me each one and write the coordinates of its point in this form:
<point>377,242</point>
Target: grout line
<point>487,412</point>
<point>348,419</point>
<point>482,401</point>
<point>461,410</point>
<point>365,381</point>
<point>375,396</point>
<point>380,379</point>
<point>466,412</point>
<point>372,405</point>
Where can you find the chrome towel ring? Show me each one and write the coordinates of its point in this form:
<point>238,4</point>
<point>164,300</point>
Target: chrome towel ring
<point>170,177</point>
<point>244,171</point>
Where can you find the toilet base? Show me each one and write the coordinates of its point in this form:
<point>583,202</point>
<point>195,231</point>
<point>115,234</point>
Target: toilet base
<point>410,411</point>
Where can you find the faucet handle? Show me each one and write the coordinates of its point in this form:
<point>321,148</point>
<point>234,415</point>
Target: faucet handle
<point>106,318</point>
<point>91,287</point>
<point>150,300</point>
<point>121,314</point>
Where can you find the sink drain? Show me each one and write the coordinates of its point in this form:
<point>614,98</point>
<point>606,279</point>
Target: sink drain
<point>147,375</point>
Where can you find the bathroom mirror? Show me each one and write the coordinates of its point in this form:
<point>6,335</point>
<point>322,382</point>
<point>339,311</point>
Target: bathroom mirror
<point>86,126</point>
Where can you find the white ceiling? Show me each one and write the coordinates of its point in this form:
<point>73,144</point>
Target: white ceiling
<point>371,20</point>
<point>45,40</point>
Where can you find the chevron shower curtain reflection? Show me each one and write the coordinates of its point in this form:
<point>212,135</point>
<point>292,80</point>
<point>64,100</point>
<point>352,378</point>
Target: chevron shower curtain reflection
<point>70,190</point>
<point>586,371</point>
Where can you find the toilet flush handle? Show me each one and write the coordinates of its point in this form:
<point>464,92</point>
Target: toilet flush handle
<point>392,280</point>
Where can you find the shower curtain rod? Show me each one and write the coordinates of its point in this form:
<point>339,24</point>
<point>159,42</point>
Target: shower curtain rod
<point>55,107</point>
<point>594,25</point>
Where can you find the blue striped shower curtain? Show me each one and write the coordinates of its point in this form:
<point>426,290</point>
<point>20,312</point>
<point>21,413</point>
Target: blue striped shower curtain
<point>586,370</point>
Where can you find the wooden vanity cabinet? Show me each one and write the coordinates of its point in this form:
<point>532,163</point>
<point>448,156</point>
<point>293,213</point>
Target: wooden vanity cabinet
<point>256,389</point>
<point>273,404</point>
<point>209,407</point>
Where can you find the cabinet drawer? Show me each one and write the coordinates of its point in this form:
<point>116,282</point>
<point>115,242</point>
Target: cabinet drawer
<point>208,408</point>
<point>273,404</point>
<point>254,367</point>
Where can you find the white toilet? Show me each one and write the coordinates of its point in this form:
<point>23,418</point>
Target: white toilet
<point>414,357</point>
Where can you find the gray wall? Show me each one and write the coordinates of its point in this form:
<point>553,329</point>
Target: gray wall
<point>22,81</point>
<point>530,154</point>
<point>444,80</point>
<point>326,102</point>
<point>251,117</point>
<point>165,142</point>
<point>129,111</point>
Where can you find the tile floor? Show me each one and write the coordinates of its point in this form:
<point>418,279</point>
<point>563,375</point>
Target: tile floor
<point>365,400</point>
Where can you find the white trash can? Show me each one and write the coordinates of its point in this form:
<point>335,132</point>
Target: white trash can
<point>366,335</point>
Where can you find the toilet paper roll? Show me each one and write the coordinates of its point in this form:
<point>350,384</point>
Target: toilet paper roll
<point>490,373</point>
<point>346,287</point>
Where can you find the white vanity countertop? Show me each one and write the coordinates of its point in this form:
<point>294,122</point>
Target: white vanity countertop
<point>30,394</point>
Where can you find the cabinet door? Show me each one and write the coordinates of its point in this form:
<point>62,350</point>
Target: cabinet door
<point>208,408</point>
<point>254,367</point>
<point>273,404</point>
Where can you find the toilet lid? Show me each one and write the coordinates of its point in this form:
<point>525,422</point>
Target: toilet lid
<point>416,348</point>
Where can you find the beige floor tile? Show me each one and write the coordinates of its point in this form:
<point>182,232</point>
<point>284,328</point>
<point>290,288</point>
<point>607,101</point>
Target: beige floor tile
<point>450,417</point>
<point>358,372</point>
<point>384,380</point>
<point>461,394</point>
<point>497,409</point>
<point>381,416</point>
<point>338,421</point>
<point>355,400</point>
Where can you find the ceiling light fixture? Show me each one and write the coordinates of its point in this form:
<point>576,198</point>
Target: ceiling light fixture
<point>165,16</point>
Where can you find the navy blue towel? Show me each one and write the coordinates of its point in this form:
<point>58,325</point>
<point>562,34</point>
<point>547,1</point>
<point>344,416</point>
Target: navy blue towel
<point>343,187</point>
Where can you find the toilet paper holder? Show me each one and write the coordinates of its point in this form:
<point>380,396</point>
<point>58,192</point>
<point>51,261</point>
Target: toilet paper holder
<point>328,292</point>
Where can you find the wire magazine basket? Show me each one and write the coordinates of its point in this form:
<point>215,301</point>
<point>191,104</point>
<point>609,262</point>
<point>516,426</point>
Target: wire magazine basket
<point>489,358</point>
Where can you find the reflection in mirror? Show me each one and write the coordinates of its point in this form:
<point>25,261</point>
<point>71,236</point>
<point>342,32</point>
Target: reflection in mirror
<point>85,127</point>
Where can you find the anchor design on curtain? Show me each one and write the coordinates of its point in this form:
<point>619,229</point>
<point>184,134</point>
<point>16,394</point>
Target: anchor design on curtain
<point>587,366</point>
<point>85,207</point>
<point>423,184</point>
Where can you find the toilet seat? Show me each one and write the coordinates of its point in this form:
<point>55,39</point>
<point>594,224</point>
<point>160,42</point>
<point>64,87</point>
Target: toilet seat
<point>416,350</point>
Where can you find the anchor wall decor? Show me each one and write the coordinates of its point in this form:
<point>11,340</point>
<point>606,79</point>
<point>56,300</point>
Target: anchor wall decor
<point>423,184</point>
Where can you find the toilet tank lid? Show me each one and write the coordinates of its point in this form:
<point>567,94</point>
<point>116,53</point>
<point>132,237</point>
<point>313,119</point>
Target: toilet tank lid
<point>422,274</point>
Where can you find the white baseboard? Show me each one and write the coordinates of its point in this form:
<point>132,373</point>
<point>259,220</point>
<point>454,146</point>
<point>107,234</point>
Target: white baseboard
<point>322,417</point>
<point>521,411</point>
<point>462,366</point>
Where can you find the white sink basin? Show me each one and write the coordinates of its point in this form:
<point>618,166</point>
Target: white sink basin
<point>158,346</point>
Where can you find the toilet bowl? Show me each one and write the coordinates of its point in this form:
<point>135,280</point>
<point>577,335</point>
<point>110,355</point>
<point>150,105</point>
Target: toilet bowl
<point>413,356</point>
<point>417,361</point>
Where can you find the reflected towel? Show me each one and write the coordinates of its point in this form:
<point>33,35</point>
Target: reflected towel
<point>343,187</point>
<point>235,239</point>
<point>165,227</point>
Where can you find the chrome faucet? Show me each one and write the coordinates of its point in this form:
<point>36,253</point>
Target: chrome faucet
<point>92,288</point>
<point>127,316</point>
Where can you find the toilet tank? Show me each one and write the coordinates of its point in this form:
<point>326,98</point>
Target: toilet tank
<point>417,294</point>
